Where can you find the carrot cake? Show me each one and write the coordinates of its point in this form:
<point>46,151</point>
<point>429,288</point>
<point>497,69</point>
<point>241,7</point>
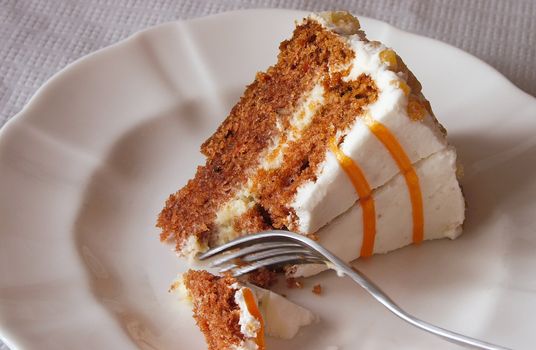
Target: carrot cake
<point>236,316</point>
<point>335,139</point>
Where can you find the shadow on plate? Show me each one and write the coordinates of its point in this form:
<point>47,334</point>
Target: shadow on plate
<point>114,230</point>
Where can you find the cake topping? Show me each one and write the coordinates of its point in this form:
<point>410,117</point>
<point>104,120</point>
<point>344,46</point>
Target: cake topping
<point>251,328</point>
<point>404,164</point>
<point>403,86</point>
<point>388,57</point>
<point>361,186</point>
<point>341,22</point>
<point>416,110</point>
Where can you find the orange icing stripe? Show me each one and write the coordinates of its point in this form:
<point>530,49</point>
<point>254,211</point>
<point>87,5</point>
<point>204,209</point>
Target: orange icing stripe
<point>412,180</point>
<point>365,198</point>
<point>253,309</point>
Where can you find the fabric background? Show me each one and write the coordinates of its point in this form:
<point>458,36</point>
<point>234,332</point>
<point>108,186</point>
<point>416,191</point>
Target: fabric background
<point>40,37</point>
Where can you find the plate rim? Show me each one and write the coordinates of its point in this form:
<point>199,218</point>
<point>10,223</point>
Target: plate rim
<point>125,41</point>
<point>26,111</point>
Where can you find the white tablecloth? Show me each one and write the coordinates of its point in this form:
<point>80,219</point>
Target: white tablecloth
<point>40,37</point>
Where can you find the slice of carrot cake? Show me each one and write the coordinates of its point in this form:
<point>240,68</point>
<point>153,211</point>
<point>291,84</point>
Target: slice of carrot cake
<point>336,131</point>
<point>236,316</point>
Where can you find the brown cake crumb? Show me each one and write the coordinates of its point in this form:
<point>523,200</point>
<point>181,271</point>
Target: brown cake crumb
<point>263,277</point>
<point>214,307</point>
<point>317,289</point>
<point>313,236</point>
<point>294,283</point>
<point>253,220</point>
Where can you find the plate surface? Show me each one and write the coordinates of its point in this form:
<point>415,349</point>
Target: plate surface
<point>87,165</point>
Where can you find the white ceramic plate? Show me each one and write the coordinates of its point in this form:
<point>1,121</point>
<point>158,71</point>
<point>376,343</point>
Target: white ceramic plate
<point>87,165</point>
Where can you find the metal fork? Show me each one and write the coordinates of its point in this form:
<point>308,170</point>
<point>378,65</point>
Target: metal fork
<point>279,248</point>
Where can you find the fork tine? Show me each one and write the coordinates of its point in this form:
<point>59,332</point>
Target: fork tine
<point>246,241</point>
<point>255,248</point>
<point>277,252</point>
<point>271,261</point>
<point>257,256</point>
<point>274,261</point>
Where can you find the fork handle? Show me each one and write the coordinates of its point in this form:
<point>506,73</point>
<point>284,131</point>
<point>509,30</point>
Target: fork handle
<point>380,296</point>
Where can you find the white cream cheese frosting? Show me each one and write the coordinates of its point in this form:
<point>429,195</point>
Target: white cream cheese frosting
<point>249,325</point>
<point>444,212</point>
<point>282,317</point>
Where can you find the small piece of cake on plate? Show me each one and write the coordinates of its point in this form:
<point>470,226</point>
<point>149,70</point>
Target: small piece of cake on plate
<point>236,316</point>
<point>337,140</point>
